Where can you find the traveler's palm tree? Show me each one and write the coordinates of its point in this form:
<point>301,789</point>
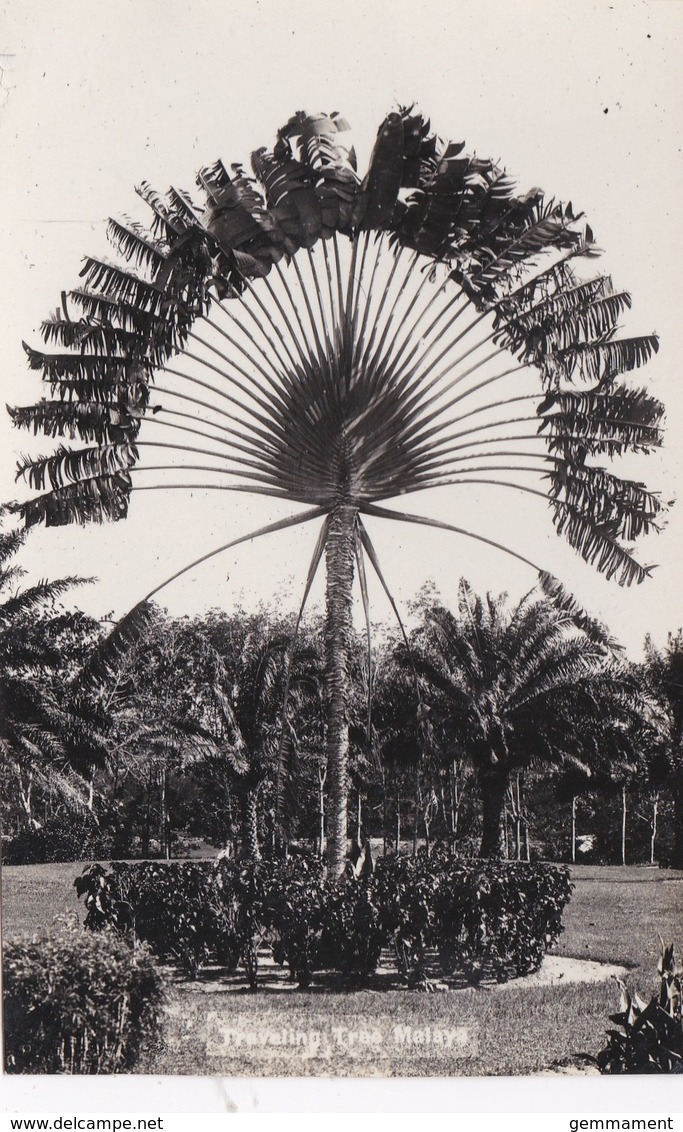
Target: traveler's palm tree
<point>337,342</point>
<point>521,688</point>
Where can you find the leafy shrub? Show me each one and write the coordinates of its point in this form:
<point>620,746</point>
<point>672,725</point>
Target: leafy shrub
<point>652,1038</point>
<point>295,911</point>
<point>77,1003</point>
<point>353,933</point>
<point>406,890</point>
<point>484,918</point>
<point>71,837</point>
<point>497,919</point>
<point>281,904</point>
<point>194,913</point>
<point>243,895</point>
<point>174,907</point>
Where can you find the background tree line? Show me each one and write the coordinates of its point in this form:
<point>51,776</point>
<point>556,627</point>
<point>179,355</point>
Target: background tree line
<point>492,728</point>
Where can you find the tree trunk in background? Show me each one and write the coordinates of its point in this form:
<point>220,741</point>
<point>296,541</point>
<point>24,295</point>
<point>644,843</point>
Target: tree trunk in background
<point>321,811</point>
<point>397,804</point>
<point>493,786</point>
<point>455,803</point>
<point>518,819</point>
<point>447,815</point>
<point>677,852</point>
<point>250,825</point>
<point>229,840</point>
<point>623,825</point>
<point>25,795</point>
<point>573,852</point>
<point>147,824</point>
<point>165,819</point>
<point>653,839</point>
<point>416,807</point>
<point>339,556</point>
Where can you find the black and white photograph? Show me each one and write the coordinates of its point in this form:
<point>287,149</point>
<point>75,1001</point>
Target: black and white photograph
<point>341,618</point>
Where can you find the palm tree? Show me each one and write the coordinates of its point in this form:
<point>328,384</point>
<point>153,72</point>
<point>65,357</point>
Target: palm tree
<point>245,693</point>
<point>47,741</point>
<point>522,688</point>
<point>336,342</point>
<point>402,735</point>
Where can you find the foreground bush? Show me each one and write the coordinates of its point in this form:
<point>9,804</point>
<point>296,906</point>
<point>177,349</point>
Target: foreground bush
<point>483,919</point>
<point>77,1003</point>
<point>651,1040</point>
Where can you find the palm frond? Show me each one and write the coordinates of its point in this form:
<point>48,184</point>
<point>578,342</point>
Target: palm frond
<point>72,466</point>
<point>31,599</point>
<point>136,245</point>
<point>598,365</point>
<point>561,598</point>
<point>239,222</point>
<point>88,420</point>
<point>94,500</point>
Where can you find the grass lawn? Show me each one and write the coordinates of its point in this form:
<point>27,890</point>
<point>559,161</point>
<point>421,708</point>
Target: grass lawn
<point>614,916</point>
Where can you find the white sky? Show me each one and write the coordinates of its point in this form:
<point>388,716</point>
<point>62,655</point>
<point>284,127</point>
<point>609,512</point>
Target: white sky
<point>581,99</point>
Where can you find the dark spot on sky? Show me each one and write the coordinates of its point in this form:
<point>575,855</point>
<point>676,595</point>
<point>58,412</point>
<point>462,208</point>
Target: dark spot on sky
<point>606,110</point>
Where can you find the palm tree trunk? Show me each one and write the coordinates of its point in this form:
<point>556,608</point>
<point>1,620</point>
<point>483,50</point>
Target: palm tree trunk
<point>493,790</point>
<point>338,628</point>
<point>250,825</point>
<point>398,819</point>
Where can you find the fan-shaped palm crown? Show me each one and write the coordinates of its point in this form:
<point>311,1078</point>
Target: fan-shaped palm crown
<point>335,341</point>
